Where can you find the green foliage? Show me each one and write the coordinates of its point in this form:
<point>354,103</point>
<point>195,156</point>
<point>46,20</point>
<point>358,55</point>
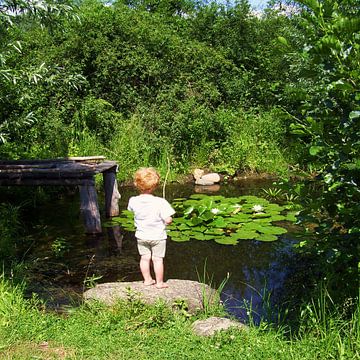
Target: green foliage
<point>103,73</point>
<point>327,122</point>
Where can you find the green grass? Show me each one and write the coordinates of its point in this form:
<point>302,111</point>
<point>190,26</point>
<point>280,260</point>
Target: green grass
<point>132,330</point>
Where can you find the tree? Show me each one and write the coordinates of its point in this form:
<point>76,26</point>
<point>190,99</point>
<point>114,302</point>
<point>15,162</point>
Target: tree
<point>16,17</point>
<point>329,121</point>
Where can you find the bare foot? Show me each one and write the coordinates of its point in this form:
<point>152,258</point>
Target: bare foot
<point>161,285</point>
<point>148,283</point>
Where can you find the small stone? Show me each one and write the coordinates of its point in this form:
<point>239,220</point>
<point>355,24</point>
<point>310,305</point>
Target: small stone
<point>211,177</point>
<point>198,173</point>
<point>209,326</point>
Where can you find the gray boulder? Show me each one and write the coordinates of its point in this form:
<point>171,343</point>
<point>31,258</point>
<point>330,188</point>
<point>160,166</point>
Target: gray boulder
<point>193,293</point>
<point>211,325</point>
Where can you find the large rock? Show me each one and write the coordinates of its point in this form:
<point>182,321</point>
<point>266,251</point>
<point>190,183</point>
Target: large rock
<point>209,326</point>
<point>205,179</point>
<point>195,294</point>
<point>211,177</point>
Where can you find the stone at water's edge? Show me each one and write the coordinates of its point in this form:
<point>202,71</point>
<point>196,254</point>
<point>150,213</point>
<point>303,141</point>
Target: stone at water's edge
<point>195,294</point>
<point>209,326</point>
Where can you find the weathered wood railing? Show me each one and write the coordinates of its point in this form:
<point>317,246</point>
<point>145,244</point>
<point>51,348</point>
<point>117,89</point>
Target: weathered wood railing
<point>79,171</point>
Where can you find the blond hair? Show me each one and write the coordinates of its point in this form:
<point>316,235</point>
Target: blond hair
<point>146,179</point>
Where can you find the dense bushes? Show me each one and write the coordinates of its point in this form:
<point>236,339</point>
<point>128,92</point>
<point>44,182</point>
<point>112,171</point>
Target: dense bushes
<point>147,80</point>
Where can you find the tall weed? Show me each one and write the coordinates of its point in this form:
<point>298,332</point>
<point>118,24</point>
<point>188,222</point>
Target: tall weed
<point>130,146</point>
<point>256,142</point>
<point>324,321</point>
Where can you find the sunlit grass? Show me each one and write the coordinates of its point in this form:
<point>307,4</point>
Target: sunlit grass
<point>133,330</point>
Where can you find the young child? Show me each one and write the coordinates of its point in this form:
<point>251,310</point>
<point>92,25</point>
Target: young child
<point>151,215</point>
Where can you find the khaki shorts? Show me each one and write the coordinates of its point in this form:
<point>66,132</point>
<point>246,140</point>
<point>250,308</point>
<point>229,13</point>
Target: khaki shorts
<point>155,248</point>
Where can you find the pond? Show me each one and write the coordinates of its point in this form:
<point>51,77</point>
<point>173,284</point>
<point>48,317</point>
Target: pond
<point>62,257</point>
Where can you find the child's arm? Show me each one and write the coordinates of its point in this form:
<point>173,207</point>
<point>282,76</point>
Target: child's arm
<point>168,220</point>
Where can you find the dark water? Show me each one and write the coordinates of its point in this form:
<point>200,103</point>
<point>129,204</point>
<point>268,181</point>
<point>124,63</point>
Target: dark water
<point>62,256</point>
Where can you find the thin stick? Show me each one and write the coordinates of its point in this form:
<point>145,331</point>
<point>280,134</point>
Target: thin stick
<point>166,176</point>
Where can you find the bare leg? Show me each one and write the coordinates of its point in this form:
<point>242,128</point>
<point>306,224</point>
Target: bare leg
<point>145,269</point>
<point>159,272</point>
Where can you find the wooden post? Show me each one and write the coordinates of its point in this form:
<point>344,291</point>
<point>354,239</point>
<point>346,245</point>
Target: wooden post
<point>112,194</point>
<point>89,208</point>
<point>115,237</point>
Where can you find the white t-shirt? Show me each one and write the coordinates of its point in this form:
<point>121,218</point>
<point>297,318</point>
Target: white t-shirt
<point>150,213</point>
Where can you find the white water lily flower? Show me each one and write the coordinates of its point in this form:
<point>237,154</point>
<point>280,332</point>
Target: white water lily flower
<point>257,208</point>
<point>215,211</point>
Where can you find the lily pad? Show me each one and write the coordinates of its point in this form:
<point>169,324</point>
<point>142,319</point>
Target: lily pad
<point>274,230</point>
<point>244,234</point>
<point>201,236</point>
<point>218,223</point>
<point>226,240</point>
<point>266,237</point>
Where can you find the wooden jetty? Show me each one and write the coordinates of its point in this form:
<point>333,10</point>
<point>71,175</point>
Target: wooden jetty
<point>73,171</point>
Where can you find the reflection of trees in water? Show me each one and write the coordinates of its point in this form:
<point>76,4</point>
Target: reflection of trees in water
<point>257,270</point>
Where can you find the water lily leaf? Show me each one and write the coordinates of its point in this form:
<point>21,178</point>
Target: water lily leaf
<point>198,196</point>
<point>218,223</point>
<point>266,237</point>
<point>274,208</point>
<point>189,210</point>
<point>179,221</point>
<point>226,240</point>
<point>254,200</point>
<point>200,236</point>
<point>260,215</point>
<point>244,234</point>
<point>251,226</point>
<point>191,202</point>
<point>232,200</point>
<point>181,238</point>
<point>278,217</point>
<point>207,215</point>
<point>218,198</point>
<point>263,221</point>
<point>274,230</point>
<point>241,218</point>
<point>214,231</point>
<point>174,234</point>
<point>196,221</point>
<point>291,216</point>
<point>182,227</point>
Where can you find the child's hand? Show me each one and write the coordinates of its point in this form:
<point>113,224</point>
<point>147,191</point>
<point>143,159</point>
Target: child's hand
<point>168,220</point>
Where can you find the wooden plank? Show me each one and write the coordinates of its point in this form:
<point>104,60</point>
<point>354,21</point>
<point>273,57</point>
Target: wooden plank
<point>46,182</point>
<point>87,158</point>
<point>33,161</point>
<point>106,166</point>
<point>55,175</point>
